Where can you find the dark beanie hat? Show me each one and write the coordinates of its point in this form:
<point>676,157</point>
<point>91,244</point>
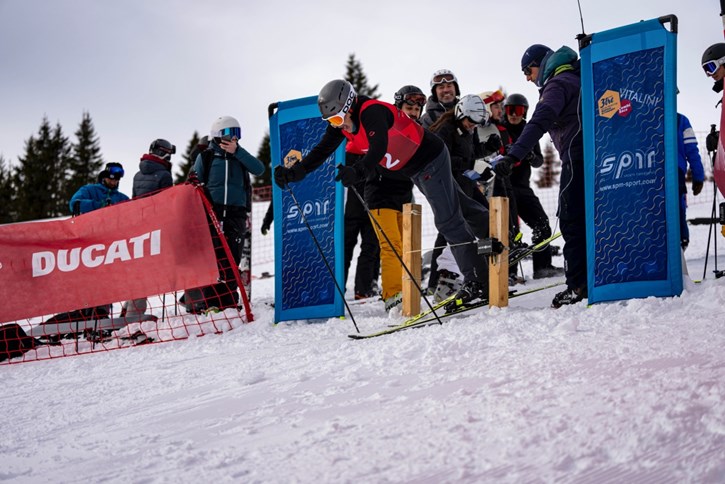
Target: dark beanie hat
<point>534,55</point>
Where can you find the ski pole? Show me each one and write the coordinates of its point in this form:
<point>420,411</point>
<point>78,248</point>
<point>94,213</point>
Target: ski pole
<point>319,249</point>
<point>410,274</point>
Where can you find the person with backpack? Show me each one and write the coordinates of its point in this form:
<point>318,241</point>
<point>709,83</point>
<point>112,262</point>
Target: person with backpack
<point>223,169</point>
<point>390,140</point>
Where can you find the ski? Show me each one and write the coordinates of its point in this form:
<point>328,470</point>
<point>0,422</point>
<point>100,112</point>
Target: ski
<point>424,319</point>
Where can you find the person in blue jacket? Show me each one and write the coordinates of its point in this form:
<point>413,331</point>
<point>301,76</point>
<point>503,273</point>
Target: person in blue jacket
<point>98,195</point>
<point>687,153</point>
<point>224,169</point>
<point>558,112</point>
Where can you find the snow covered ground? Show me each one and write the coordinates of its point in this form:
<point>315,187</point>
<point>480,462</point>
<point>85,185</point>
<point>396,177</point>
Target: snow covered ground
<point>618,392</point>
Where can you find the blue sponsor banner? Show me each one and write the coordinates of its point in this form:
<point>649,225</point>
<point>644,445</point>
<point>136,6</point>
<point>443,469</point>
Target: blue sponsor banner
<point>304,287</point>
<point>629,117</point>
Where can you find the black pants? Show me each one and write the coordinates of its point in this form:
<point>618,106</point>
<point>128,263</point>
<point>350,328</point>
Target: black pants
<point>233,223</point>
<point>357,222</point>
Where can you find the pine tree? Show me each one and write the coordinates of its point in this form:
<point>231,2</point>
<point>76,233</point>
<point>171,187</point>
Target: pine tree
<point>185,167</point>
<point>7,194</point>
<point>549,169</point>
<point>86,161</point>
<point>358,79</point>
<point>43,174</point>
<point>264,154</point>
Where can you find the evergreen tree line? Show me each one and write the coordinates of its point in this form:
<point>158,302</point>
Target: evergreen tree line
<point>52,168</point>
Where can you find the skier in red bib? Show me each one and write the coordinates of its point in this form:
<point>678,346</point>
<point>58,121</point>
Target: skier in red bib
<point>390,140</point>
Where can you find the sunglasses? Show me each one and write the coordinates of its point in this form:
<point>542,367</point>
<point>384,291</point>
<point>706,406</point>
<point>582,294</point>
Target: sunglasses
<point>414,99</point>
<point>515,110</point>
<point>443,78</point>
<point>527,69</point>
<point>712,66</point>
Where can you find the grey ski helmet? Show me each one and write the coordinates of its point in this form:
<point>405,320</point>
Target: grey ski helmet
<point>336,97</point>
<point>471,106</point>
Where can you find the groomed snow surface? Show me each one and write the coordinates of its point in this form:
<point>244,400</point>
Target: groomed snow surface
<point>618,392</point>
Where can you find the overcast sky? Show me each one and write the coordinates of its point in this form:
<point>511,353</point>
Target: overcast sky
<point>147,69</point>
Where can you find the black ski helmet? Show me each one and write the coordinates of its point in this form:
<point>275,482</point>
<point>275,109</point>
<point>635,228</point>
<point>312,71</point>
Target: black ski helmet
<point>714,52</point>
<point>162,149</point>
<point>516,99</point>
<point>403,91</point>
<point>336,97</point>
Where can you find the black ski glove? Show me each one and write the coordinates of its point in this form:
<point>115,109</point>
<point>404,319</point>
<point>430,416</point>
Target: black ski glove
<point>350,175</point>
<point>503,166</point>
<point>697,187</point>
<point>265,228</point>
<point>534,160</point>
<point>283,176</point>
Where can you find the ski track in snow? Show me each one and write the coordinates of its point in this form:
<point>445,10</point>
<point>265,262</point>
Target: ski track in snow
<point>617,392</point>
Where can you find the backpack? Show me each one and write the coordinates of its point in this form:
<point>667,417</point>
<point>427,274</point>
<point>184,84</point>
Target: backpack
<point>207,157</point>
<point>15,342</point>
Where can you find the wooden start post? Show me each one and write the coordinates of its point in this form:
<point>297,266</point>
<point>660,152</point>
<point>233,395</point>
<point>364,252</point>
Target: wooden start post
<point>498,275</point>
<point>411,258</point>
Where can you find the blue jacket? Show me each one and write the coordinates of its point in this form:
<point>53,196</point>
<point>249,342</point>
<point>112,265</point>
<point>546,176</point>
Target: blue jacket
<point>687,150</point>
<point>558,110</point>
<point>94,196</point>
<point>227,174</point>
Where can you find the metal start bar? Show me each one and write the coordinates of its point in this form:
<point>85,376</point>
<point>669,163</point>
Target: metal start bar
<point>490,246</point>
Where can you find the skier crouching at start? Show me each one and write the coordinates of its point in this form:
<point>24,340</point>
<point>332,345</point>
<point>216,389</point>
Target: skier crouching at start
<point>390,140</point>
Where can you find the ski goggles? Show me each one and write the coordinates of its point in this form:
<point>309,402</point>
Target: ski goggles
<point>494,97</point>
<point>115,172</point>
<point>512,110</point>
<point>414,99</point>
<point>228,133</point>
<point>711,66</point>
<point>443,79</point>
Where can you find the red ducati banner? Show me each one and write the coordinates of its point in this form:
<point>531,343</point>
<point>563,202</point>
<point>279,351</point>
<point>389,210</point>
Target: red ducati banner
<point>143,247</point>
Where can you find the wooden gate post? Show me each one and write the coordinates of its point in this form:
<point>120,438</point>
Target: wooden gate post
<point>412,257</point>
<point>498,275</point>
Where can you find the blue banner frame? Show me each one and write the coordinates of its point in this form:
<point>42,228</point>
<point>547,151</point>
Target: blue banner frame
<point>630,147</point>
<point>304,288</point>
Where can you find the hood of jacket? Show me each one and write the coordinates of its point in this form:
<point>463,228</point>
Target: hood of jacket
<point>553,63</point>
<point>151,163</point>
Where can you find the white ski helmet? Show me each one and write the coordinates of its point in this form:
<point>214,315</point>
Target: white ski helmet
<point>471,106</point>
<point>225,126</point>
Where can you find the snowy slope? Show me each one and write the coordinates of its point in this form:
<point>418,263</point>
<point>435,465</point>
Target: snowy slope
<point>618,392</point>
